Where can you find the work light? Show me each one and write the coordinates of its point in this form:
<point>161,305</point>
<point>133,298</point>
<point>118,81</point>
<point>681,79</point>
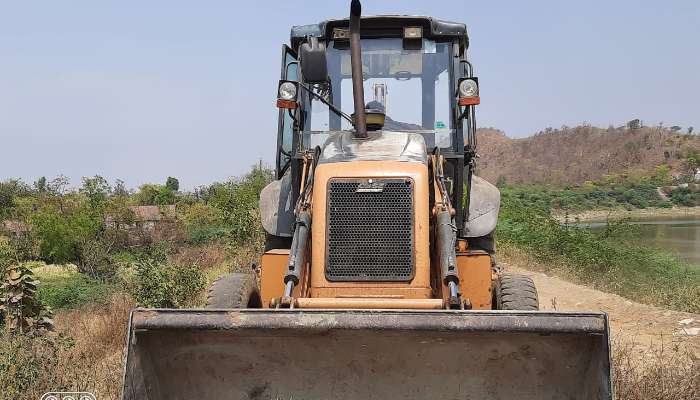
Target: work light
<point>287,95</point>
<point>468,92</point>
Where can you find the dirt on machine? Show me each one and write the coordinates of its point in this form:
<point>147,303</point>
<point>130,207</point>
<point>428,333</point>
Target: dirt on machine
<point>379,277</point>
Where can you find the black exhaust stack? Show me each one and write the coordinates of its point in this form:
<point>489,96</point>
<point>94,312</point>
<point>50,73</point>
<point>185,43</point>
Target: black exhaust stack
<point>358,92</point>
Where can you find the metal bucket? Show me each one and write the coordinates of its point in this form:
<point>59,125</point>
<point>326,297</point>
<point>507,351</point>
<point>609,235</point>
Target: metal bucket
<point>366,354</point>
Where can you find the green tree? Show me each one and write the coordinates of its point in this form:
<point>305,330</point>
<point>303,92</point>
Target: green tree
<point>61,230</point>
<point>154,195</point>
<point>693,159</point>
<point>40,185</point>
<point>238,199</point>
<point>662,175</point>
<point>120,188</point>
<point>97,190</point>
<point>10,190</point>
<point>172,184</point>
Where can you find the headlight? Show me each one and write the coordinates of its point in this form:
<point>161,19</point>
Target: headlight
<point>468,88</point>
<point>287,91</point>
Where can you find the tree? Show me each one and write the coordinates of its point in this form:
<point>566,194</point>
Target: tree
<point>120,188</point>
<point>61,230</point>
<point>97,189</point>
<point>690,130</point>
<point>173,184</point>
<point>10,190</point>
<point>154,195</point>
<point>40,185</point>
<point>662,175</point>
<point>58,185</point>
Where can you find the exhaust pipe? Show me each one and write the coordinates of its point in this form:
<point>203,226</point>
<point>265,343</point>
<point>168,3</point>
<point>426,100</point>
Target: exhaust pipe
<point>358,92</point>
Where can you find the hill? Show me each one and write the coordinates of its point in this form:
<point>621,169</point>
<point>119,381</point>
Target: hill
<point>583,153</point>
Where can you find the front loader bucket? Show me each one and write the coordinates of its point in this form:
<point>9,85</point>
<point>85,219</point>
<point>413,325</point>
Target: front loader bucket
<point>362,354</point>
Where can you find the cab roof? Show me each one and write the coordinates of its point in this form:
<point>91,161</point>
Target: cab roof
<point>384,26</point>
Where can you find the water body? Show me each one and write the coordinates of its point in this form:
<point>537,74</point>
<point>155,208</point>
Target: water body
<point>679,235</point>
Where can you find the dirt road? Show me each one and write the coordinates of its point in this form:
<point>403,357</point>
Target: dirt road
<point>641,324</point>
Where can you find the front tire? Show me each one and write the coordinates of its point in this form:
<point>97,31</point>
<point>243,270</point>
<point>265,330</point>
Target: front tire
<point>515,292</point>
<point>234,290</point>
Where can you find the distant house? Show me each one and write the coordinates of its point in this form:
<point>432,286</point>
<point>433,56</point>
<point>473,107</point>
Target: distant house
<point>149,223</point>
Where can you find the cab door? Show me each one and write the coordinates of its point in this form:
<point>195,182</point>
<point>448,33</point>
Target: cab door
<point>285,129</point>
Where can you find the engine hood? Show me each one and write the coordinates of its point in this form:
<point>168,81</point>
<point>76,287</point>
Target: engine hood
<point>378,146</point>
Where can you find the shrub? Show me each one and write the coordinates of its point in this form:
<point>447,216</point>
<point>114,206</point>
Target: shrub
<point>590,196</point>
<point>21,309</point>
<point>238,201</point>
<point>94,259</point>
<point>73,291</point>
<point>204,223</point>
<point>686,196</point>
<point>167,285</point>
<point>26,359</point>
<point>8,254</point>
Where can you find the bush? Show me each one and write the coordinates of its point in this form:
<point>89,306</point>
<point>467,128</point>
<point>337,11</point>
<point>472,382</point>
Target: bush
<point>73,291</point>
<point>8,254</point>
<point>238,201</point>
<point>27,359</point>
<point>590,196</point>
<point>94,259</point>
<point>686,196</point>
<point>163,285</point>
<point>204,223</point>
<point>21,309</point>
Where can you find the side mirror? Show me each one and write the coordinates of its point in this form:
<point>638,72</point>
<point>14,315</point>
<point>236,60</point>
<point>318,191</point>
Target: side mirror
<point>312,57</point>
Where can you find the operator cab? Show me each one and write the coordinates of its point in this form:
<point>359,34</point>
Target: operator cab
<point>416,80</point>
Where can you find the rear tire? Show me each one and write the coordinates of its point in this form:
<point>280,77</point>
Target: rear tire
<point>515,292</point>
<point>234,290</point>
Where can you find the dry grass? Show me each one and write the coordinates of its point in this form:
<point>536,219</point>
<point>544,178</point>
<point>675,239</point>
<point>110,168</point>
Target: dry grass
<point>205,256</point>
<point>94,362</point>
<point>658,373</point>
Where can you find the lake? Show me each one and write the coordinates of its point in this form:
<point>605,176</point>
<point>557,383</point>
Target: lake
<point>679,235</point>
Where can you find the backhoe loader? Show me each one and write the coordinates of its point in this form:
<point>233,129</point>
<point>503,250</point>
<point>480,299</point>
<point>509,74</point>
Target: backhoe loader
<point>378,279</point>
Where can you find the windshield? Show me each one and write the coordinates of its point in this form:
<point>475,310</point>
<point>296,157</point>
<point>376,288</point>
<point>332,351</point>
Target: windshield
<point>412,86</point>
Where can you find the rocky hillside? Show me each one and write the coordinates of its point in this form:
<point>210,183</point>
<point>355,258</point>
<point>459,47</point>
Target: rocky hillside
<point>576,155</point>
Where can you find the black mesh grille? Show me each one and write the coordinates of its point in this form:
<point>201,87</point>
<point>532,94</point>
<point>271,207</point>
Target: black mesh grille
<point>370,230</point>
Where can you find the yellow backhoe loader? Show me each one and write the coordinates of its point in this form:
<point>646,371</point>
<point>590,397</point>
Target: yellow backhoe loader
<point>379,278</point>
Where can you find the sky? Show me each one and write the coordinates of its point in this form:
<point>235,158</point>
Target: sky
<point>142,90</point>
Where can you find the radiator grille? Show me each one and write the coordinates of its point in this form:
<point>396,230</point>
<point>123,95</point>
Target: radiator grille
<point>370,230</point>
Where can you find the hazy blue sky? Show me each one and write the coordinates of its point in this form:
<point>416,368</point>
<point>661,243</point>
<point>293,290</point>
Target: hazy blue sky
<point>140,90</point>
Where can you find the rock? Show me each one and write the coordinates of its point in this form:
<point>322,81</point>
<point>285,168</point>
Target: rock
<point>686,321</point>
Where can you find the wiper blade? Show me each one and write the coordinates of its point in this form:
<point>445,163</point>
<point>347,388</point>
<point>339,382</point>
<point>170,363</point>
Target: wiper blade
<point>326,102</point>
